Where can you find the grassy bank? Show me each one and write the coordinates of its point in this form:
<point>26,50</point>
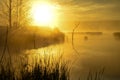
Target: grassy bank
<point>47,68</point>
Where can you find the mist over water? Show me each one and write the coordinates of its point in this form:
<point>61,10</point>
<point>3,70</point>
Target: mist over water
<point>95,52</point>
<point>103,26</point>
<point>98,48</point>
<point>59,40</point>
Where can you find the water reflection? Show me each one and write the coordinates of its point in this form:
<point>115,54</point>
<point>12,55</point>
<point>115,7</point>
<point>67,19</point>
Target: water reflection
<point>95,53</point>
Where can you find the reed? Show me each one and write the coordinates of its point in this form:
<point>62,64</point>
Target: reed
<point>42,69</point>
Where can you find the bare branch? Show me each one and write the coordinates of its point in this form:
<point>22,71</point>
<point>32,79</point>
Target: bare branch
<point>76,26</point>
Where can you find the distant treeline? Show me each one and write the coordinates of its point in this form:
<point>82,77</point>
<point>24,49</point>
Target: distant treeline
<point>31,37</point>
<point>102,25</point>
<point>88,33</point>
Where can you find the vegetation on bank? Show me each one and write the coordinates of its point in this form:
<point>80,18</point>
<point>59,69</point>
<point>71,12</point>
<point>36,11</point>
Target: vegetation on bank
<point>43,69</point>
<point>31,37</point>
<point>12,39</point>
<point>47,68</point>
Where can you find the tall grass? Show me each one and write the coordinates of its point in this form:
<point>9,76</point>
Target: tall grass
<point>95,75</point>
<point>42,69</point>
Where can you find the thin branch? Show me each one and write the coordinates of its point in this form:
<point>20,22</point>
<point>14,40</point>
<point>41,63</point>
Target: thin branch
<point>76,26</point>
<point>5,45</point>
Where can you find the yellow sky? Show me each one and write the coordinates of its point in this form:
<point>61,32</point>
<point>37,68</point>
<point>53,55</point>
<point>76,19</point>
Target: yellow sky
<point>68,12</point>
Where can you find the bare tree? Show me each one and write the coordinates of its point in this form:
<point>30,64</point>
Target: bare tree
<point>6,12</point>
<point>11,11</point>
<point>76,26</point>
<point>14,12</point>
<point>22,9</point>
<point>8,7</point>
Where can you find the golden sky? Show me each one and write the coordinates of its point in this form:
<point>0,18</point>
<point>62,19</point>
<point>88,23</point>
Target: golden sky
<point>92,9</point>
<point>71,11</point>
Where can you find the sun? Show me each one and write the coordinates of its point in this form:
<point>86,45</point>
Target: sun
<point>43,14</point>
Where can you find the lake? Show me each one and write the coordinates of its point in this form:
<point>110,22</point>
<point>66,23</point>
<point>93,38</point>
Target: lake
<point>94,53</point>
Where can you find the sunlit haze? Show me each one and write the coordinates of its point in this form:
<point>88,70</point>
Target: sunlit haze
<point>59,39</point>
<point>43,14</point>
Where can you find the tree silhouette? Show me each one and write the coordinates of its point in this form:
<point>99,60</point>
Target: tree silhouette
<point>12,13</point>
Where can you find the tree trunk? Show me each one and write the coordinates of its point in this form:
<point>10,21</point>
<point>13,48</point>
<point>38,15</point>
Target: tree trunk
<point>10,13</point>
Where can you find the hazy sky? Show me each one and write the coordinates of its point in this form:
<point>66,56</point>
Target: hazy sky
<point>70,11</point>
<point>89,9</point>
<point>92,9</point>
